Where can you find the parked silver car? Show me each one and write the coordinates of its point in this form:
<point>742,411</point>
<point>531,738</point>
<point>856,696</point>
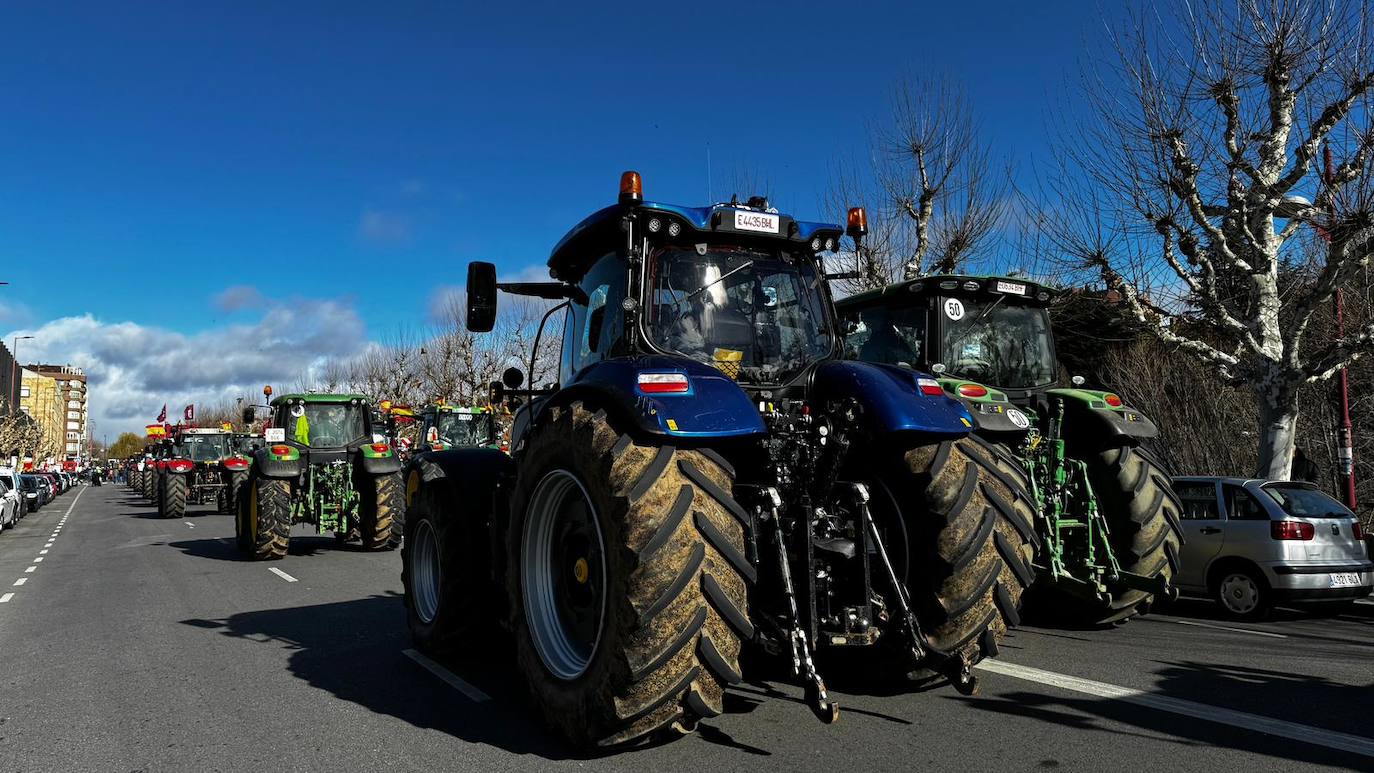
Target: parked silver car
<point>1252,544</point>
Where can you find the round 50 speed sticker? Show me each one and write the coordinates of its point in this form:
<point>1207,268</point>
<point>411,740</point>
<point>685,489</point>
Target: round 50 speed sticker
<point>954,309</point>
<point>1018,418</point>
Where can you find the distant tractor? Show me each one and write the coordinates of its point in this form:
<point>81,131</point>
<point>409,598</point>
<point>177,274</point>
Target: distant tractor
<point>1106,516</point>
<point>203,468</point>
<point>321,464</point>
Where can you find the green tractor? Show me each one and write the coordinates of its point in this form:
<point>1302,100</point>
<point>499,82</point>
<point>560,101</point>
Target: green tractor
<point>446,426</point>
<point>1107,519</point>
<point>322,463</point>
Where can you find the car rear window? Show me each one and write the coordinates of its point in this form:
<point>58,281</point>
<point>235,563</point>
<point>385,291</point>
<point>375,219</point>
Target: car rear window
<point>1305,502</point>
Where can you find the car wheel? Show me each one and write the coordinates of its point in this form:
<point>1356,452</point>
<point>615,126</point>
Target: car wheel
<point>1242,595</point>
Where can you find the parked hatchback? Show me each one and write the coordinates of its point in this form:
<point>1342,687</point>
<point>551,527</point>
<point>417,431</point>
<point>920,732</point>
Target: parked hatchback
<point>1252,544</point>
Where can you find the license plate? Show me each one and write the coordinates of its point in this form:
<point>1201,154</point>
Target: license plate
<point>1013,288</point>
<point>757,221</point>
<point>464,417</point>
<point>274,435</point>
<point>1345,580</point>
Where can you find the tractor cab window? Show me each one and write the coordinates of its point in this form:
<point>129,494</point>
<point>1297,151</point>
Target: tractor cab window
<point>593,329</point>
<point>204,448</point>
<point>325,425</point>
<point>759,317</point>
<point>997,342</point>
<point>462,429</point>
<point>894,336</point>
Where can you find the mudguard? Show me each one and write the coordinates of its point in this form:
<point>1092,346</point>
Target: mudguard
<point>713,406</point>
<point>1087,412</point>
<point>472,475</point>
<point>374,463</point>
<point>992,412</point>
<point>269,465</point>
<point>891,398</point>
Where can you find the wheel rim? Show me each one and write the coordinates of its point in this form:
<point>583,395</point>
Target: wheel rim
<point>426,571</point>
<point>1239,593</point>
<point>563,575</point>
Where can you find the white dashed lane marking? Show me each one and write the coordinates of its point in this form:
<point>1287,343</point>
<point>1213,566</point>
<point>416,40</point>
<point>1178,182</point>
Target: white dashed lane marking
<point>20,581</point>
<point>38,560</point>
<point>281,574</point>
<point>450,678</point>
<point>1290,731</point>
<point>30,569</point>
<point>6,597</point>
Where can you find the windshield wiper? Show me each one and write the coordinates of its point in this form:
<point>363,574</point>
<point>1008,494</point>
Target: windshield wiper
<point>989,309</point>
<point>718,280</point>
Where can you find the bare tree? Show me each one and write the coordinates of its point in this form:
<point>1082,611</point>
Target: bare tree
<point>934,194</point>
<point>1188,193</point>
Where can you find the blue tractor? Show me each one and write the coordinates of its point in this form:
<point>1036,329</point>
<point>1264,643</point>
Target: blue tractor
<point>708,473</point>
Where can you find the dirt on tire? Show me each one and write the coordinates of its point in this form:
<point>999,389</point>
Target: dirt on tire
<point>381,509</point>
<point>676,582</point>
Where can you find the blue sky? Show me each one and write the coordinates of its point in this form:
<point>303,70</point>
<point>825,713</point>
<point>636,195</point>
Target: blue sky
<point>154,156</point>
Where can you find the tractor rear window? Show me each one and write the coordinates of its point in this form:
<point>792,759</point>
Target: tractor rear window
<point>892,336</point>
<point>204,448</point>
<point>759,317</point>
<point>464,429</point>
<point>997,342</point>
<point>325,425</point>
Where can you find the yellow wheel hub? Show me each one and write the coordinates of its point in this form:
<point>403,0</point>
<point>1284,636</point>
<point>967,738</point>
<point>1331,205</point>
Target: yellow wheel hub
<point>581,571</point>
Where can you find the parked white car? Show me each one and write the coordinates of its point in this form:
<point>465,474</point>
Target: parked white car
<point>12,505</point>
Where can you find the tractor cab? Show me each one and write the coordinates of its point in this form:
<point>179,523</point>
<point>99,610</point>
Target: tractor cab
<point>993,331</point>
<point>447,426</point>
<point>204,447</point>
<point>326,427</point>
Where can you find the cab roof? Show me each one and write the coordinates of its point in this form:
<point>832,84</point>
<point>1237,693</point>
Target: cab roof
<point>459,409</point>
<point>318,397</point>
<point>585,242</point>
<point>204,431</point>
<point>956,284</point>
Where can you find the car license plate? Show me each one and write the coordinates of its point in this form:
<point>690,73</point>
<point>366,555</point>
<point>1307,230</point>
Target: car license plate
<point>1013,288</point>
<point>757,221</point>
<point>274,435</point>
<point>1345,580</point>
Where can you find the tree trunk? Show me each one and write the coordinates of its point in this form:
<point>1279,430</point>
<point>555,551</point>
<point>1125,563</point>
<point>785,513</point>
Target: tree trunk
<point>1278,427</point>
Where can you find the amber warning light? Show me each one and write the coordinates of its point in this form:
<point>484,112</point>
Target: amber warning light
<point>858,222</point>
<point>631,188</point>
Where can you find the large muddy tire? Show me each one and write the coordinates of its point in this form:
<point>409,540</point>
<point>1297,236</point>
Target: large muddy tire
<point>445,569</point>
<point>382,509</point>
<point>150,485</point>
<point>1135,496</point>
<point>263,526</point>
<point>233,486</point>
<point>172,503</point>
<point>655,534</point>
<point>968,542</point>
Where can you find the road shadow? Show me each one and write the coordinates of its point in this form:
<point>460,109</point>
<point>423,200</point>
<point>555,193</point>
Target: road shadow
<point>354,650</point>
<point>1289,697</point>
<point>215,548</point>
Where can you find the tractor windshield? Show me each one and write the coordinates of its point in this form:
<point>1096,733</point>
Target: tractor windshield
<point>891,335</point>
<point>758,316</point>
<point>326,425</point>
<point>463,429</point>
<point>204,448</point>
<point>996,342</point>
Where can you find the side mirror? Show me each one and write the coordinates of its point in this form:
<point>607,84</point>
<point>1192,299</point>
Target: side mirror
<point>481,315</point>
<point>248,415</point>
<point>512,378</point>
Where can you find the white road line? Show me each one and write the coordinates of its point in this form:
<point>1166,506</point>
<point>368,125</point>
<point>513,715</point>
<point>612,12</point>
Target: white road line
<point>29,569</point>
<point>281,574</point>
<point>43,552</point>
<point>74,501</point>
<point>20,581</point>
<point>450,678</point>
<point>1366,602</point>
<point>1289,731</point>
<point>1228,628</point>
<point>6,597</point>
<point>38,560</point>
<point>188,523</point>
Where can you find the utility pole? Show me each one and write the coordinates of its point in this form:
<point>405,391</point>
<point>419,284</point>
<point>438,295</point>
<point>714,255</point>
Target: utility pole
<point>1345,447</point>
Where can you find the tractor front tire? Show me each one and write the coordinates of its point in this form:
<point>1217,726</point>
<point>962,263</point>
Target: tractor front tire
<point>264,520</point>
<point>445,571</point>
<point>382,510</point>
<point>969,542</point>
<point>232,490</point>
<point>1138,501</point>
<point>667,562</point>
<point>172,503</point>
<point>150,485</point>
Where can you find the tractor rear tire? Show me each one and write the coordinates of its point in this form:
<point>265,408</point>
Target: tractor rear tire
<point>1138,501</point>
<point>150,485</point>
<point>232,490</point>
<point>172,503</point>
<point>969,542</point>
<point>382,506</point>
<point>445,569</point>
<point>672,575</point>
<point>264,521</point>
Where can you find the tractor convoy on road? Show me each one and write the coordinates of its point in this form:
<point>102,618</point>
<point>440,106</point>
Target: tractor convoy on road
<point>729,461</point>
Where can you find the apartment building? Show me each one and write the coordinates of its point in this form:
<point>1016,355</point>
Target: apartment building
<point>56,397</point>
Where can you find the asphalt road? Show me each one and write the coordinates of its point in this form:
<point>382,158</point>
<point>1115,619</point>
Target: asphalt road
<point>128,642</point>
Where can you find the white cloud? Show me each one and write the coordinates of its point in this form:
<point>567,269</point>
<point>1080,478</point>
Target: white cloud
<point>133,369</point>
<point>386,228</point>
